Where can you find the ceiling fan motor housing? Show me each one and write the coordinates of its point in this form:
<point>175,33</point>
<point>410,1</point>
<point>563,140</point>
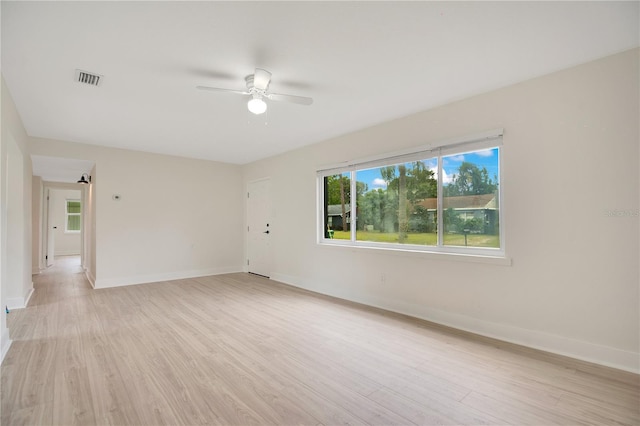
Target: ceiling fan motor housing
<point>251,86</point>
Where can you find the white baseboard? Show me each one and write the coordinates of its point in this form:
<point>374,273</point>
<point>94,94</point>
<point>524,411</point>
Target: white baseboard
<point>90,277</point>
<point>19,302</point>
<point>6,344</point>
<point>143,279</point>
<point>28,297</point>
<point>560,345</point>
<point>66,253</point>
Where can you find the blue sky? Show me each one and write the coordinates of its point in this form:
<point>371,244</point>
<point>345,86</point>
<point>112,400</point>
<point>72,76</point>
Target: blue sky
<point>485,158</point>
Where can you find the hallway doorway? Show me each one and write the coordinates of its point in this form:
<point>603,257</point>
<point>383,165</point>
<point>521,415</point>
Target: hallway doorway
<point>63,230</point>
<point>65,265</point>
<point>65,278</point>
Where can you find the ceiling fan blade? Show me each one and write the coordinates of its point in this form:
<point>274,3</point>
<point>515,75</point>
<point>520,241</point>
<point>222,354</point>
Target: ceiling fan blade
<point>261,79</point>
<point>302,100</point>
<point>218,89</point>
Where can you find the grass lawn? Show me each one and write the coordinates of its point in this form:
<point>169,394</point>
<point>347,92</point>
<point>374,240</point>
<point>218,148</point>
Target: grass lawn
<point>423,239</point>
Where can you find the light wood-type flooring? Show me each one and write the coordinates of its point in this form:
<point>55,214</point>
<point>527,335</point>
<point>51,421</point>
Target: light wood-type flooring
<point>239,349</point>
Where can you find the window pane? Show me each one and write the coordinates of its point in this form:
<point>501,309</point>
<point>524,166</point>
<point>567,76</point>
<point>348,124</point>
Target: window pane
<point>471,208</point>
<point>73,206</point>
<point>73,222</point>
<point>337,206</point>
<point>382,191</point>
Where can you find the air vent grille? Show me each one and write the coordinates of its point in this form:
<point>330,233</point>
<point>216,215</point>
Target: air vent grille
<point>89,78</point>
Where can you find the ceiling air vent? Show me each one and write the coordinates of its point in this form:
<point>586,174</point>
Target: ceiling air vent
<point>88,78</point>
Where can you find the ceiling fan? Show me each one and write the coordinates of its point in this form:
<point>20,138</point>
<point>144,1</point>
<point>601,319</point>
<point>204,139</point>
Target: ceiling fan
<point>258,89</point>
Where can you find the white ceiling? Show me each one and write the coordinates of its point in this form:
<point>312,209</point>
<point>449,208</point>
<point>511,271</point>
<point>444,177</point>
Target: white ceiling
<point>53,169</point>
<point>363,63</point>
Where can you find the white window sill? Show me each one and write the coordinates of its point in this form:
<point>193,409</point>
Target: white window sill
<point>483,257</point>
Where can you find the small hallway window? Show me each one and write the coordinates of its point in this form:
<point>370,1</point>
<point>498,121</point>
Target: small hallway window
<point>73,211</point>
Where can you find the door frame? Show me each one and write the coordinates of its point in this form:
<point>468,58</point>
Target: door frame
<point>49,242</point>
<point>44,235</point>
<point>247,208</point>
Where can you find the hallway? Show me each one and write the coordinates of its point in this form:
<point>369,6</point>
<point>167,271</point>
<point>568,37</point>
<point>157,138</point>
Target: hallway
<point>63,265</point>
<point>65,278</point>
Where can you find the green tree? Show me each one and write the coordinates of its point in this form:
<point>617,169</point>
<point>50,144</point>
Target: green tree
<point>470,180</point>
<point>338,189</point>
<point>421,220</point>
<point>371,207</point>
<point>343,210</point>
<point>335,189</point>
<point>403,225</point>
<point>399,184</point>
<point>334,193</point>
<point>421,183</point>
<point>388,174</point>
<point>407,185</point>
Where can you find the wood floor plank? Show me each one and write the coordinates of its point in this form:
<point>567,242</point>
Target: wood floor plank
<point>39,414</point>
<point>238,349</point>
<point>72,397</point>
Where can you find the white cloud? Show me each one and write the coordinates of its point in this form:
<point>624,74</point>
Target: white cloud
<point>446,178</point>
<point>485,153</point>
<point>378,183</point>
<point>456,158</point>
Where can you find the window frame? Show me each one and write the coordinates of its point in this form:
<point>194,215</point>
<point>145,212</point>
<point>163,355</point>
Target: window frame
<point>487,140</point>
<point>67,214</point>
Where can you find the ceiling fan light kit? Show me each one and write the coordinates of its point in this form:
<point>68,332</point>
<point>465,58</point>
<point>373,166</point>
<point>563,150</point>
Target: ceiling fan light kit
<point>257,105</point>
<point>257,87</point>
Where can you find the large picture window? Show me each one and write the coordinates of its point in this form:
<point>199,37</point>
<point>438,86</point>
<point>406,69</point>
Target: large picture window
<point>445,199</point>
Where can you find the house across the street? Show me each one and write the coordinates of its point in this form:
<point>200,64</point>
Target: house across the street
<point>463,208</point>
<point>334,213</point>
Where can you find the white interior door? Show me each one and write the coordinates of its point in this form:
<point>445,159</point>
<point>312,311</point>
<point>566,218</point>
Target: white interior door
<point>259,228</point>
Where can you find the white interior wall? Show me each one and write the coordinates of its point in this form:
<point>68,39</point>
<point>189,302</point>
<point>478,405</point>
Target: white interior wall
<point>14,201</point>
<point>15,214</point>
<point>570,158</point>
<point>65,243</point>
<point>175,217</point>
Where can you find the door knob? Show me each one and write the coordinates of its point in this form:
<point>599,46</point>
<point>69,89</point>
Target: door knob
<point>266,232</point>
